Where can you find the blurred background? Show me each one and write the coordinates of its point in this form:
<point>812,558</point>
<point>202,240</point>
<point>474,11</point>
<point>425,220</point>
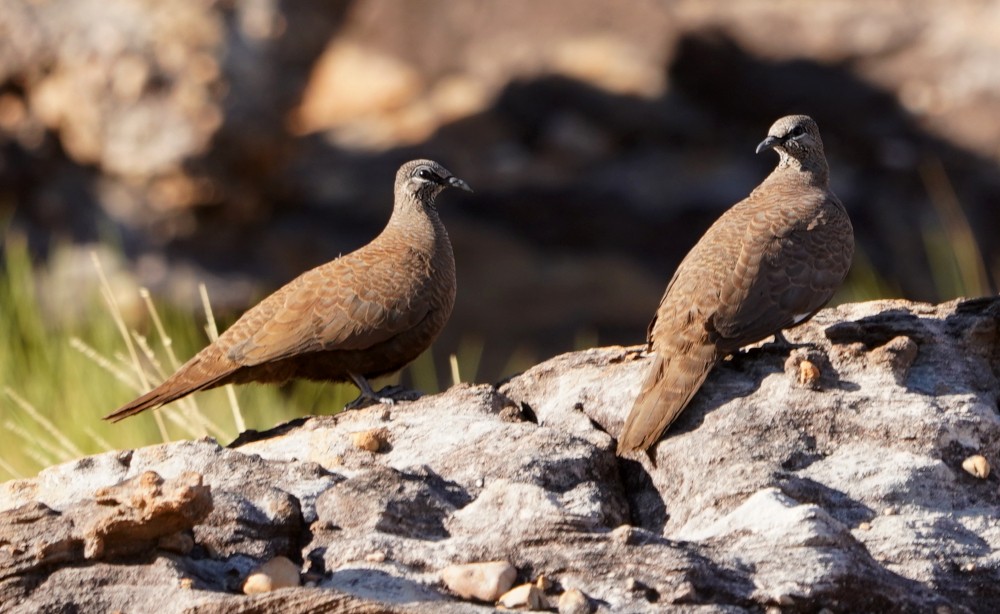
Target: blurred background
<point>237,143</point>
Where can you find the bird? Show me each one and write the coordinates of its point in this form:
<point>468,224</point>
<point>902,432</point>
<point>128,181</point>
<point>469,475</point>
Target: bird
<point>769,263</point>
<point>365,314</point>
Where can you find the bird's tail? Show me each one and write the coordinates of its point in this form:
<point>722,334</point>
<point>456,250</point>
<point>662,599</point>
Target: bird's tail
<point>672,380</point>
<point>191,377</point>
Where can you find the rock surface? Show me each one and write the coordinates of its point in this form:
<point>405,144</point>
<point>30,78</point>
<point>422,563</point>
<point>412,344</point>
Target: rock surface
<point>240,143</point>
<point>845,494</point>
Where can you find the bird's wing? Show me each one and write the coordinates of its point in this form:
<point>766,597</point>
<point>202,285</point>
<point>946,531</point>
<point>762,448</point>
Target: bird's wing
<point>789,267</point>
<point>348,304</point>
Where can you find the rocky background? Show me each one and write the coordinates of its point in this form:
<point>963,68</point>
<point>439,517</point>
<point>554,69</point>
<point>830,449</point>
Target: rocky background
<point>850,475</point>
<point>241,142</point>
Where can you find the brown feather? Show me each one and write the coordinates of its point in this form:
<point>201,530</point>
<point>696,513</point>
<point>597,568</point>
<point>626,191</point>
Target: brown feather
<point>367,313</point>
<point>768,263</point>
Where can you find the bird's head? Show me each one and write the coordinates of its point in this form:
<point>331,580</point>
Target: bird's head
<point>425,179</point>
<point>794,136</point>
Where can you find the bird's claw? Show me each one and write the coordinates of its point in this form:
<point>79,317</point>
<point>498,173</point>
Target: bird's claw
<point>389,396</point>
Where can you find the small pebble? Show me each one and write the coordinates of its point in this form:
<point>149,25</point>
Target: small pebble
<point>526,595</point>
<point>865,526</point>
<point>977,465</point>
<point>375,557</point>
<point>482,581</point>
<point>543,583</point>
<point>180,543</point>
<point>371,440</point>
<point>574,601</point>
<point>277,573</point>
<point>889,511</point>
<point>808,374</point>
<point>186,583</point>
<point>622,534</point>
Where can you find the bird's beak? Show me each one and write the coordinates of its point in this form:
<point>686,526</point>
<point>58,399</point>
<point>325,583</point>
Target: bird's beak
<point>455,182</point>
<point>770,143</point>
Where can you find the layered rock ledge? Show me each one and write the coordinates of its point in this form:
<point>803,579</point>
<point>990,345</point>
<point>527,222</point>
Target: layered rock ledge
<point>829,475</point>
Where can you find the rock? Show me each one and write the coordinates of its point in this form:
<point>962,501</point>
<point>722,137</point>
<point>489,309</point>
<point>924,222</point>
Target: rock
<point>543,583</point>
<point>573,601</point>
<point>480,581</point>
<point>526,596</point>
<point>766,494</point>
<point>977,465</point>
<point>371,440</point>
<point>808,374</point>
<point>173,129</point>
<point>277,573</point>
<point>126,519</point>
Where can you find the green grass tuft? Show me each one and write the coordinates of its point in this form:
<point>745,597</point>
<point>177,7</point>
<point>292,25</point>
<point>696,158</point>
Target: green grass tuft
<point>70,357</point>
<point>64,366</point>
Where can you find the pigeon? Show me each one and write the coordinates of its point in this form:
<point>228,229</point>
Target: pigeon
<point>365,314</point>
<point>768,263</point>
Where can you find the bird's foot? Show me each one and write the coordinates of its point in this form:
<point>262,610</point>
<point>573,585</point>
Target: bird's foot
<point>386,396</point>
<point>364,400</point>
<point>782,344</point>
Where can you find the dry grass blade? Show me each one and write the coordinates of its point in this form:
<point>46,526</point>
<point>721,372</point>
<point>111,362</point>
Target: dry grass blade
<point>469,355</point>
<point>143,344</point>
<point>188,422</point>
<point>456,377</point>
<point>81,346</point>
<point>970,268</point>
<point>213,335</point>
<point>35,446</point>
<point>119,320</point>
<point>69,450</point>
<point>190,409</point>
<point>10,469</point>
<point>165,340</point>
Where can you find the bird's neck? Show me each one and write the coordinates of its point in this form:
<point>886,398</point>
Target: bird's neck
<point>813,171</point>
<point>420,223</point>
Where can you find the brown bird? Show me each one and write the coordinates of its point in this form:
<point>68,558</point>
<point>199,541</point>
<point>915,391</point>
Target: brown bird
<point>769,263</point>
<point>362,315</point>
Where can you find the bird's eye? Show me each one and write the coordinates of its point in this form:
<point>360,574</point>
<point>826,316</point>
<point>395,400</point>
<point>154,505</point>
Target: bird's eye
<point>425,174</point>
<point>796,132</point>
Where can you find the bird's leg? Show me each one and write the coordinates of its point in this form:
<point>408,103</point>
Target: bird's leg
<point>366,393</point>
<point>782,344</point>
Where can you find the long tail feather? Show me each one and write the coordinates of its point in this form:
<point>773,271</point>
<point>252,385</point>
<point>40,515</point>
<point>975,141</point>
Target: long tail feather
<point>191,377</point>
<point>672,381</point>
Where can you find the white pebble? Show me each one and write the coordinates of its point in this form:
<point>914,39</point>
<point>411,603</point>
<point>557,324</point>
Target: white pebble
<point>574,601</point>
<point>526,595</point>
<point>482,581</point>
<point>977,465</point>
<point>277,573</point>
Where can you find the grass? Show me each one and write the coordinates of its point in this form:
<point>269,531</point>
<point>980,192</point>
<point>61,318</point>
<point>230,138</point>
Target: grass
<point>68,361</point>
<point>64,366</point>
